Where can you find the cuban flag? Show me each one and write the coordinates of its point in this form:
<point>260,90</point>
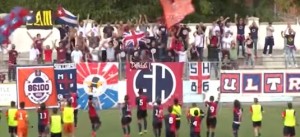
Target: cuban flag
<point>65,17</point>
<point>133,38</point>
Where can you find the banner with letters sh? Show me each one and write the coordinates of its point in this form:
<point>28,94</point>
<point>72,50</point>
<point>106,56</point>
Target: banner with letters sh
<point>260,81</point>
<point>41,19</point>
<point>199,76</point>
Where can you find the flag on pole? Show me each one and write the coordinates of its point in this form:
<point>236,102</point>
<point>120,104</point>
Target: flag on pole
<point>176,10</point>
<point>65,17</point>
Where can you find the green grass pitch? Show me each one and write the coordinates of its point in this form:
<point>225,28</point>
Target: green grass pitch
<point>111,127</point>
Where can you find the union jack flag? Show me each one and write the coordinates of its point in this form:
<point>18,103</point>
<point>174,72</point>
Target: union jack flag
<point>133,38</point>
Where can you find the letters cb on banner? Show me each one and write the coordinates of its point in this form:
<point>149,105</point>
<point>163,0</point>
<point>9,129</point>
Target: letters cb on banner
<point>261,82</point>
<point>8,93</point>
<point>158,80</point>
<point>99,80</point>
<point>65,79</point>
<point>199,77</point>
<point>35,85</point>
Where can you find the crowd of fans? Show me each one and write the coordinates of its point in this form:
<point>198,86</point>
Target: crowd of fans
<point>161,44</point>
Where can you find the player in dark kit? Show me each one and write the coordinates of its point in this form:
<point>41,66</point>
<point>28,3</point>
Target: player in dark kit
<point>95,121</point>
<point>43,120</point>
<point>195,124</point>
<point>211,120</point>
<point>157,118</point>
<point>237,117</point>
<point>74,98</point>
<point>126,117</point>
<point>141,102</point>
<point>170,123</point>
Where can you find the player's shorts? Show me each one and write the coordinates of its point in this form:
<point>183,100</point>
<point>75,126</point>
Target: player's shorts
<point>126,120</point>
<point>68,128</point>
<point>157,124</point>
<point>195,134</point>
<point>95,120</point>
<point>22,132</point>
<point>12,129</point>
<point>177,124</point>
<point>56,135</point>
<point>256,123</point>
<point>289,131</point>
<point>141,114</point>
<point>41,128</point>
<point>211,122</point>
<point>235,126</point>
<point>170,134</point>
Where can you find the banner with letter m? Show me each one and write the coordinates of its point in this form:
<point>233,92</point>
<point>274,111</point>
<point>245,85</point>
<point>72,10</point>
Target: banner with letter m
<point>65,79</point>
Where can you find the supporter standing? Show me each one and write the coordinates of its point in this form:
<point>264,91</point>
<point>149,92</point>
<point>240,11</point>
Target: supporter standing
<point>143,23</point>
<point>12,62</point>
<point>290,49</point>
<point>76,55</point>
<point>110,51</point>
<point>108,31</point>
<point>38,42</point>
<point>199,41</point>
<point>48,54</point>
<point>213,51</point>
<point>61,52</point>
<point>240,38</point>
<point>249,51</point>
<point>254,36</point>
<point>183,35</point>
<point>233,56</point>
<point>226,44</point>
<point>33,55</point>
<point>269,40</point>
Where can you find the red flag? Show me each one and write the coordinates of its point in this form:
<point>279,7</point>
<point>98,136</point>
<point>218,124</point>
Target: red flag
<point>176,11</point>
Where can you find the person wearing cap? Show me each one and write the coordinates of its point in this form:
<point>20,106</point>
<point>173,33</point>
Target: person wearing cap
<point>289,121</point>
<point>256,109</point>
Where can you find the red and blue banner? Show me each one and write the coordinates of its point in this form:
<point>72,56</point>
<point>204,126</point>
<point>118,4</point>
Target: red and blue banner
<point>260,82</point>
<point>99,80</point>
<point>158,80</point>
<point>199,76</point>
<point>65,79</point>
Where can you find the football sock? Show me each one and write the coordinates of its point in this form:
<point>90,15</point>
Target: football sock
<point>12,135</point>
<point>159,132</point>
<point>124,130</point>
<point>128,129</point>
<point>212,134</point>
<point>207,133</point>
<point>140,127</point>
<point>156,132</point>
<point>145,124</point>
<point>235,134</point>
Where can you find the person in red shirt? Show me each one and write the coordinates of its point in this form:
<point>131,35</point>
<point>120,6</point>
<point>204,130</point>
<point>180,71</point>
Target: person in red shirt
<point>95,121</point>
<point>74,101</point>
<point>48,55</point>
<point>12,62</point>
<point>126,116</point>
<point>141,102</point>
<point>61,52</point>
<point>195,124</point>
<point>22,118</point>
<point>38,41</point>
<point>170,123</point>
<point>211,120</point>
<point>43,120</point>
<point>157,118</point>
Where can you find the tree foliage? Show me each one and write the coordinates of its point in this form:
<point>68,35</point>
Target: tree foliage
<point>116,10</point>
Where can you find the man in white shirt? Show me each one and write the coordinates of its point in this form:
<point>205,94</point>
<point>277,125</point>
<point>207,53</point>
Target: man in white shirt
<point>269,40</point>
<point>82,28</point>
<point>76,55</point>
<point>199,42</point>
<point>33,54</point>
<point>226,41</point>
